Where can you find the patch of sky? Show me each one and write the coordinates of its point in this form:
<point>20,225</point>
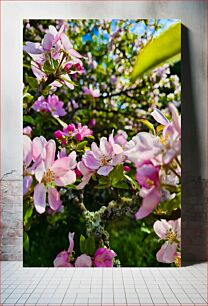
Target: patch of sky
<point>138,28</point>
<point>113,25</point>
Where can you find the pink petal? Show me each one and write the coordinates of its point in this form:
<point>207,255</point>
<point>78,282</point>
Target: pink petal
<point>83,261</point>
<point>175,117</point>
<point>167,253</point>
<point>160,228</point>
<point>39,171</point>
<point>27,150</point>
<point>74,53</point>
<point>54,198</point>
<point>62,165</point>
<point>72,157</point>
<point>68,178</point>
<point>90,161</point>
<point>105,146</point>
<point>61,260</point>
<point>105,170</point>
<point>85,181</point>
<point>47,42</point>
<point>38,147</point>
<point>159,117</point>
<point>32,48</point>
<point>50,153</point>
<point>40,198</point>
<point>27,181</point>
<point>66,42</point>
<point>149,203</point>
<point>37,71</point>
<point>96,150</point>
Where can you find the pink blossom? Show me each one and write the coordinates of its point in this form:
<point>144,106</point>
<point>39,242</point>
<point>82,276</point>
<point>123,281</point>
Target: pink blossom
<point>102,159</point>
<point>54,42</point>
<point>144,146</point>
<point>127,168</point>
<point>170,231</point>
<point>27,131</point>
<point>171,136</point>
<point>83,261</point>
<point>92,122</point>
<point>74,68</point>
<point>40,105</point>
<point>95,93</point>
<point>86,172</point>
<point>104,257</point>
<point>50,173</point>
<point>147,176</point>
<point>121,138</point>
<point>79,132</point>
<point>50,104</point>
<point>64,257</point>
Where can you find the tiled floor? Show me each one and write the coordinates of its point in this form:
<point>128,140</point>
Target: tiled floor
<point>85,286</point>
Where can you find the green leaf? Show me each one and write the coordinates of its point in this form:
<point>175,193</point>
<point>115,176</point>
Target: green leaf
<point>50,66</point>
<point>148,124</point>
<point>132,181</point>
<point>90,246</point>
<point>68,81</point>
<point>81,144</point>
<point>103,186</point>
<point>82,244</point>
<point>121,184</point>
<point>62,123</point>
<point>27,97</point>
<point>28,119</point>
<point>32,82</point>
<point>116,174</point>
<point>165,48</point>
<point>27,215</point>
<point>26,241</point>
<point>169,206</point>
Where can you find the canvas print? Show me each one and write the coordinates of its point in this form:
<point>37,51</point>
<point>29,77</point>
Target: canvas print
<point>102,143</point>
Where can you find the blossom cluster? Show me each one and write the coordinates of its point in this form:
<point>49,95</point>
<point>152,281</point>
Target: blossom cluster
<point>103,257</point>
<point>55,54</point>
<point>50,104</point>
<point>39,163</point>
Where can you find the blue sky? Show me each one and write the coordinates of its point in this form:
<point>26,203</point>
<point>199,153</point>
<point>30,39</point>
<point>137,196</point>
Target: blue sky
<point>137,28</point>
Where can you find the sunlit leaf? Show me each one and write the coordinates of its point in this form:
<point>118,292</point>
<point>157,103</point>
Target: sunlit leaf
<point>165,48</point>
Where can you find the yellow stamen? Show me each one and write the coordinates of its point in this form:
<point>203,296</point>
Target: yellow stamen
<point>171,236</point>
<point>49,176</point>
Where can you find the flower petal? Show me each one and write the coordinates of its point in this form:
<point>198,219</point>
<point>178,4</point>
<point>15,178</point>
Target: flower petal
<point>68,178</point>
<point>149,203</point>
<point>40,198</point>
<point>39,171</point>
<point>54,198</point>
<point>83,261</point>
<point>167,253</point>
<point>161,227</point>
<point>105,170</point>
<point>48,42</point>
<point>27,181</point>
<point>50,153</point>
<point>159,117</point>
<point>27,150</point>
<point>66,42</point>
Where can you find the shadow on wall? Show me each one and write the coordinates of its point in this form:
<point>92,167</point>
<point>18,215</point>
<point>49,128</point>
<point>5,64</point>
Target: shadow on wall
<point>194,203</point>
